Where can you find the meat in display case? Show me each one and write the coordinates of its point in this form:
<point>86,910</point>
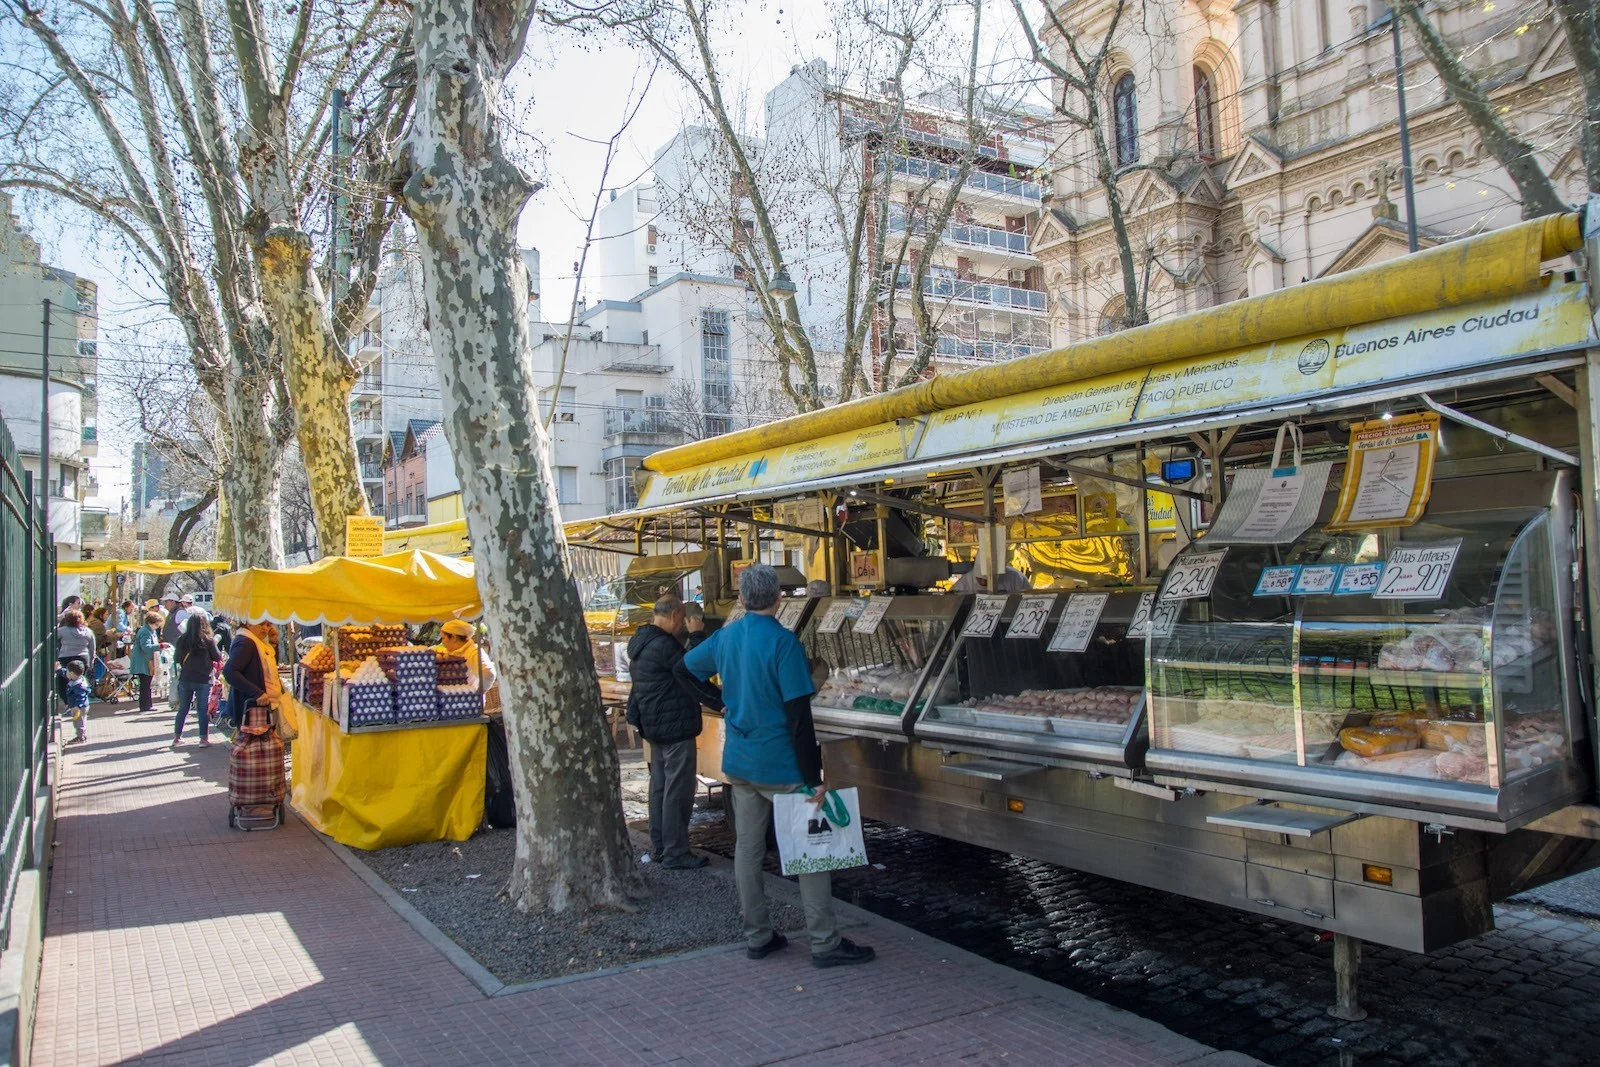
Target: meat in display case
<point>1050,675</point>
<point>871,656</point>
<point>1427,667</point>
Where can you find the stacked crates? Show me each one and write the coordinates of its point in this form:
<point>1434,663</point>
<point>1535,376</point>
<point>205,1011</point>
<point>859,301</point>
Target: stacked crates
<point>414,675</point>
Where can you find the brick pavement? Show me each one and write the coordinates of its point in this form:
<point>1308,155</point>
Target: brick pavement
<point>171,939</point>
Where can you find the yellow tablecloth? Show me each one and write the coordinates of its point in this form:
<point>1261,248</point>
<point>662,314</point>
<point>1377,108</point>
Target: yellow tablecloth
<point>389,787</point>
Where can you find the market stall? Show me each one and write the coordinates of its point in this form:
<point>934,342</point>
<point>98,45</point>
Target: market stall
<point>392,741</point>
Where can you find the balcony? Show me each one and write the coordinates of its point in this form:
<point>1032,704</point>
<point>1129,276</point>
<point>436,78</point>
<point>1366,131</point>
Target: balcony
<point>984,294</point>
<point>979,180</point>
<point>371,384</point>
<point>639,422</point>
<point>984,351</point>
<point>969,236</point>
<point>91,442</point>
<point>367,427</point>
<point>371,472</point>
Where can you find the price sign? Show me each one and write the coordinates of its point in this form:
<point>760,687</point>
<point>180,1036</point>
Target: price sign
<point>1358,579</point>
<point>1031,615</point>
<point>1317,578</point>
<point>1139,625</point>
<point>363,536</point>
<point>1417,572</point>
<point>1078,620</point>
<point>833,619</point>
<point>871,615</point>
<point>1164,616</point>
<point>735,613</point>
<point>789,614</point>
<point>1276,581</point>
<point>986,612</point>
<point>1192,576</point>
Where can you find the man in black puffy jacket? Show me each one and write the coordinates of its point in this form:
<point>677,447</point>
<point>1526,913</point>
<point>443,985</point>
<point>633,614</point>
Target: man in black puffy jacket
<point>667,716</point>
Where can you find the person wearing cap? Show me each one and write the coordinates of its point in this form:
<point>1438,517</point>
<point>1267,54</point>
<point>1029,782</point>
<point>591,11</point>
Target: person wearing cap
<point>456,638</point>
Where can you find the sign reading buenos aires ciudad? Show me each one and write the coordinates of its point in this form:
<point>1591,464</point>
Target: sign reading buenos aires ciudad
<point>1439,342</point>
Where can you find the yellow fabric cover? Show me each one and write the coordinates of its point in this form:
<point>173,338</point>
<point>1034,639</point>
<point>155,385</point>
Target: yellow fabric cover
<point>402,587</point>
<point>1497,264</point>
<point>139,566</point>
<point>389,787</point>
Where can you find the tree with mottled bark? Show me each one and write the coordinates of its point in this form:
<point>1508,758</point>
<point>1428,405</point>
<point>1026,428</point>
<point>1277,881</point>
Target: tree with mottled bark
<point>464,194</point>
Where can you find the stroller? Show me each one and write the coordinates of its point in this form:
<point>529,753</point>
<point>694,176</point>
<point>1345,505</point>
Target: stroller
<point>255,773</point>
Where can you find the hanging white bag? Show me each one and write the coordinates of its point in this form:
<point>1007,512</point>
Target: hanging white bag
<point>812,838</point>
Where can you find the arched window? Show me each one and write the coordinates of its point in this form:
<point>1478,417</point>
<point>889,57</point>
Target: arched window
<point>1205,115</point>
<point>1113,316</point>
<point>1125,120</point>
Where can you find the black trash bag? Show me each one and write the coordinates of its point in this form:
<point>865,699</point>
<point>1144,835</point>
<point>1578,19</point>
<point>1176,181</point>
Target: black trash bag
<point>499,804</point>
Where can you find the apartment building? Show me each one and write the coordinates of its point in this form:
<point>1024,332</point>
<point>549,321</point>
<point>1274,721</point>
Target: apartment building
<point>1257,145</point>
<point>25,283</point>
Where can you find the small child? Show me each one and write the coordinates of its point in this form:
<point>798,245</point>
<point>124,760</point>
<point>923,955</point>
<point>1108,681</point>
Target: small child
<point>76,694</point>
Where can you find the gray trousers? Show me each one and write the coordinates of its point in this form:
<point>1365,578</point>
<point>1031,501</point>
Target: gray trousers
<point>752,814</point>
<point>672,786</point>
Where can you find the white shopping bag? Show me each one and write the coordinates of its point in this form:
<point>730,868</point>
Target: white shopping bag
<point>812,839</point>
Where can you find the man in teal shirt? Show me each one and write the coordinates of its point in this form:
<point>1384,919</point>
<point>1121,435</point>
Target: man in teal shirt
<point>769,747</point>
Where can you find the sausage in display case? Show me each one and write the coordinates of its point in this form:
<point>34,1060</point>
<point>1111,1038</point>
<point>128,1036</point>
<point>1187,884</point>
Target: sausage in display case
<point>871,656</point>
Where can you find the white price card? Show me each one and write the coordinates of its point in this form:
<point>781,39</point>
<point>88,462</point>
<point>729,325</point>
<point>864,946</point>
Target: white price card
<point>1275,505</point>
<point>1031,615</point>
<point>871,615</point>
<point>1358,579</point>
<point>791,610</point>
<point>735,613</point>
<point>1078,620</point>
<point>1192,576</point>
<point>986,612</point>
<point>1139,625</point>
<point>833,619</point>
<point>1316,578</point>
<point>1164,616</point>
<point>1276,581</point>
<point>1417,572</point>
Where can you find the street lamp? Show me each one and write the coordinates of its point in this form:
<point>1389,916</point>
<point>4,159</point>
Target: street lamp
<point>781,286</point>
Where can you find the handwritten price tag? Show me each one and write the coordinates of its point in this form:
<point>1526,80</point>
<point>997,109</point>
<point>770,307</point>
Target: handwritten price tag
<point>1078,620</point>
<point>986,612</point>
<point>1276,581</point>
<point>1317,578</point>
<point>1358,579</point>
<point>789,614</point>
<point>1417,572</point>
<point>1032,613</point>
<point>1164,617</point>
<point>871,615</point>
<point>833,619</point>
<point>1139,625</point>
<point>1192,576</point>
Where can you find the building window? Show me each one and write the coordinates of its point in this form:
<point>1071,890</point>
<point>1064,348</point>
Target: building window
<point>650,235</point>
<point>620,494</point>
<point>1205,115</point>
<point>652,275</point>
<point>716,370</point>
<point>1125,120</point>
<point>1111,318</point>
<point>566,485</point>
<point>567,404</point>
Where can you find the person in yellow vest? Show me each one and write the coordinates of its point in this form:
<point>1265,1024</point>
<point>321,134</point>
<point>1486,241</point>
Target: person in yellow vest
<point>456,638</point>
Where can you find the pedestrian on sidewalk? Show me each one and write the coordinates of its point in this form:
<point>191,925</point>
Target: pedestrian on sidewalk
<point>769,747</point>
<point>668,716</point>
<point>77,701</point>
<point>197,657</point>
<point>142,657</point>
<point>74,644</point>
<point>252,669</point>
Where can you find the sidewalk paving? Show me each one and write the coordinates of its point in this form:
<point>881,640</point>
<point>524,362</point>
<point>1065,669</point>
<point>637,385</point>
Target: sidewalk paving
<point>171,939</point>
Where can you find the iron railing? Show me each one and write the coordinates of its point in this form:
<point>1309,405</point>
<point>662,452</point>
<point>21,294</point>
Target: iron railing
<point>27,666</point>
<point>988,294</point>
<point>916,167</point>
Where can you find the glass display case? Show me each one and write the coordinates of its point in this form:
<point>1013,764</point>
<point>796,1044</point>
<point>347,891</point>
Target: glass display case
<point>871,657</point>
<point>1428,667</point>
<point>1057,676</point>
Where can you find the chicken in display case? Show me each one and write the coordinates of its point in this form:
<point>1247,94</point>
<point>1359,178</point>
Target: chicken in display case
<point>1051,675</point>
<point>1423,667</point>
<point>871,656</point>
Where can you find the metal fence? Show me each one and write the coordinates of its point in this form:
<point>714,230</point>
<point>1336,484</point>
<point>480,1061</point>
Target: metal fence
<point>27,664</point>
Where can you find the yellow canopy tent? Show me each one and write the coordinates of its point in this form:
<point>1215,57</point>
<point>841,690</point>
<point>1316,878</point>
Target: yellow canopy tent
<point>139,566</point>
<point>402,587</point>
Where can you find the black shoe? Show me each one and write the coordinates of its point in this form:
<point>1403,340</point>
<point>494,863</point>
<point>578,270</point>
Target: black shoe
<point>778,941</point>
<point>690,862</point>
<point>846,953</point>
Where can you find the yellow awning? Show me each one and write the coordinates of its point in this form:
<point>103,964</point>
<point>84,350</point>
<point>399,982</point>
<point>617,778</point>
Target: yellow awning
<point>1492,266</point>
<point>139,566</point>
<point>402,587</point>
<point>447,538</point>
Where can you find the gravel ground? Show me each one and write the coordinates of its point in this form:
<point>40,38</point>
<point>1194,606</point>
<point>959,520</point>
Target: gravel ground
<point>457,887</point>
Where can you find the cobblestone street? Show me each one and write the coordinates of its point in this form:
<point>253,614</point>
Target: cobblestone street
<point>1529,992</point>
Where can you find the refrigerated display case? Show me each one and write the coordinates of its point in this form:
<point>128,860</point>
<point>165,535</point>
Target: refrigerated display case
<point>869,674</point>
<point>1009,693</point>
<point>1459,699</point>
